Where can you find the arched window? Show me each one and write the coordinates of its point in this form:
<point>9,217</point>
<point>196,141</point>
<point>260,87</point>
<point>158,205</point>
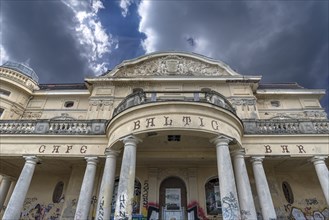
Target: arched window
<point>136,200</point>
<point>213,203</point>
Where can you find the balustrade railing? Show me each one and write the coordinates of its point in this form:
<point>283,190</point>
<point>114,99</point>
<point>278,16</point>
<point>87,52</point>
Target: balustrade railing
<point>74,127</point>
<point>205,96</point>
<point>285,126</point>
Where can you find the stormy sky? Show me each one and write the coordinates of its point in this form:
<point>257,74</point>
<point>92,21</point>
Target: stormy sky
<point>67,40</point>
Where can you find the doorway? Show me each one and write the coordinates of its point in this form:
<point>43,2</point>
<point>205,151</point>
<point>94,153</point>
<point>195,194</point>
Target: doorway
<point>173,199</point>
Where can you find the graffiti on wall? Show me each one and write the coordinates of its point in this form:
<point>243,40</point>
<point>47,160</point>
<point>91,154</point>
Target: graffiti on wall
<point>33,209</point>
<point>309,211</point>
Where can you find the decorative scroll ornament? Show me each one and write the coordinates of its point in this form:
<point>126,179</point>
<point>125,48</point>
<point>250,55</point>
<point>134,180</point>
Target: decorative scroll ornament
<point>172,65</point>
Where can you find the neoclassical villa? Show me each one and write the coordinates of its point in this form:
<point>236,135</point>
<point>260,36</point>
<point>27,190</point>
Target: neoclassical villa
<point>165,136</point>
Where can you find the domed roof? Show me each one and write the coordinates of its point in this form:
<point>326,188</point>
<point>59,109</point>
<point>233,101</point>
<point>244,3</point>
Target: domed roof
<point>22,68</point>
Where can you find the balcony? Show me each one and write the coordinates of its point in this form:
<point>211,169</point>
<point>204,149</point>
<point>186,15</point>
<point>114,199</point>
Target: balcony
<point>139,97</point>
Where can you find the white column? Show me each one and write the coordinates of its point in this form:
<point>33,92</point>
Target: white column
<point>323,174</point>
<point>4,188</point>
<point>229,199</point>
<point>246,200</point>
<point>17,198</point>
<point>86,191</point>
<point>107,184</point>
<point>123,209</point>
<point>263,191</point>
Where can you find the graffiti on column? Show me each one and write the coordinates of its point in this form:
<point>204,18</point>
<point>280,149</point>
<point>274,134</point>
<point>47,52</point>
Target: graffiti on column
<point>230,207</point>
<point>101,209</point>
<point>135,201</point>
<point>122,206</point>
<point>145,197</point>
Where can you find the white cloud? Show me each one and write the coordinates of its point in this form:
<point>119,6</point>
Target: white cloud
<point>220,29</point>
<point>91,34</point>
<point>124,5</point>
<point>3,55</point>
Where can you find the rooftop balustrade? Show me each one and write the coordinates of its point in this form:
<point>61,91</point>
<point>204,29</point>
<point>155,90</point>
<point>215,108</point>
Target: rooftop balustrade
<point>58,127</point>
<point>286,126</point>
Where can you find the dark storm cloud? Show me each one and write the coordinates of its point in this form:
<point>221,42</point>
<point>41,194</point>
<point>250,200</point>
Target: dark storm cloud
<point>284,41</point>
<point>40,31</point>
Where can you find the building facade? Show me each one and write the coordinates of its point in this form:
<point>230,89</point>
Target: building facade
<point>168,135</point>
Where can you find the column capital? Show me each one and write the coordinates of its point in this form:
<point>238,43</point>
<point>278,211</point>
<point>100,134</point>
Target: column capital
<point>221,140</point>
<point>31,159</point>
<point>91,160</point>
<point>318,159</point>
<point>109,152</point>
<point>257,159</point>
<point>131,139</point>
<point>240,153</point>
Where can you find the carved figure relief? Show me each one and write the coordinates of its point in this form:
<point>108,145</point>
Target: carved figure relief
<point>173,65</point>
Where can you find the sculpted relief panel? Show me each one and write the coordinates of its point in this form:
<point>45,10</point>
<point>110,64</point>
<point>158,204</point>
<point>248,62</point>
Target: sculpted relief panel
<point>173,65</point>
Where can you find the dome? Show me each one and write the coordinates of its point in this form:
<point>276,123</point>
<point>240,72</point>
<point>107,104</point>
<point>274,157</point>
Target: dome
<point>22,68</point>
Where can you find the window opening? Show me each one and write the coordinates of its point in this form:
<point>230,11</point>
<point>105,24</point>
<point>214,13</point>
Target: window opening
<point>68,104</point>
<point>287,191</point>
<point>275,103</point>
<point>4,92</point>
<point>213,203</point>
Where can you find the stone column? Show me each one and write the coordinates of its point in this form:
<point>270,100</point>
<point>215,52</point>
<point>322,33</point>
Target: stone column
<point>228,194</point>
<point>86,191</point>
<point>323,174</point>
<point>246,200</point>
<point>123,209</point>
<point>263,191</point>
<point>17,198</point>
<point>4,188</point>
<point>107,185</point>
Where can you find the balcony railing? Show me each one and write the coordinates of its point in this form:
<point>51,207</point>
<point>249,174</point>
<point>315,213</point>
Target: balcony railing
<point>57,127</point>
<point>286,126</point>
<point>205,96</point>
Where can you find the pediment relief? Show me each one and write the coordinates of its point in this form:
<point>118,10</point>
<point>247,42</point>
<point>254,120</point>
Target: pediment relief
<point>171,65</point>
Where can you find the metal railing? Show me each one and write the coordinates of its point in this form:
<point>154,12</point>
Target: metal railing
<point>205,96</point>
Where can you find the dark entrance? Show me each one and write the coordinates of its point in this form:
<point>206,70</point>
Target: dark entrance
<point>173,199</point>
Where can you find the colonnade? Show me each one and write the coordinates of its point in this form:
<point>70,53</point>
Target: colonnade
<point>235,190</point>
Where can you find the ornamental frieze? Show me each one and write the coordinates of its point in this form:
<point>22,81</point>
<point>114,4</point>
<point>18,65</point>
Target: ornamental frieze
<point>173,65</point>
